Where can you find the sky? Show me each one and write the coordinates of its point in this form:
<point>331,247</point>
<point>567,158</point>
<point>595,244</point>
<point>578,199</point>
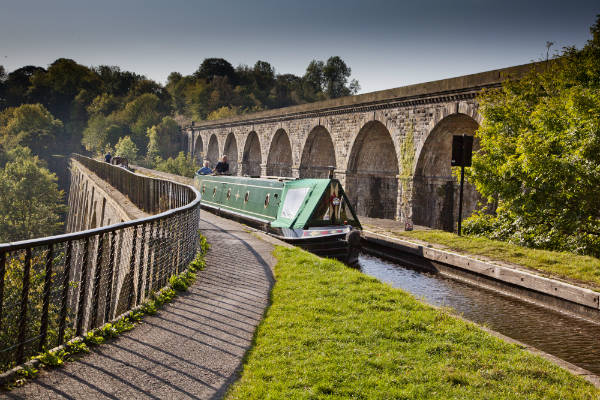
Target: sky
<point>387,44</point>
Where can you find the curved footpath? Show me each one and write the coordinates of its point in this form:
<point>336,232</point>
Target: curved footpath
<point>193,347</point>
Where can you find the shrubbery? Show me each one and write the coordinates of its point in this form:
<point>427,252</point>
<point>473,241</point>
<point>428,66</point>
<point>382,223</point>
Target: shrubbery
<point>540,155</point>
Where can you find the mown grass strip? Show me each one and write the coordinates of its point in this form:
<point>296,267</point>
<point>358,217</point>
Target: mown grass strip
<point>79,346</point>
<point>333,332</point>
<point>569,266</point>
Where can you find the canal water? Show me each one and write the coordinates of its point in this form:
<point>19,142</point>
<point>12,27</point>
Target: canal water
<point>570,338</point>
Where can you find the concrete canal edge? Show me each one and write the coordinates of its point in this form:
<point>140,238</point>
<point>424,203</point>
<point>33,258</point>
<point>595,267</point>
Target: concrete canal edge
<point>551,293</point>
<point>521,284</point>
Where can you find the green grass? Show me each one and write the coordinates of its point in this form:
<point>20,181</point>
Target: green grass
<point>583,269</point>
<point>333,332</point>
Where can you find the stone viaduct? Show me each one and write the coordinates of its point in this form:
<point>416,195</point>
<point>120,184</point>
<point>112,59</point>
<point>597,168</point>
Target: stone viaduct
<point>391,149</point>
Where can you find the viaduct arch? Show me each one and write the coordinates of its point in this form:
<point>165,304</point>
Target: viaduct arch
<point>279,160</point>
<point>390,149</point>
<point>318,154</point>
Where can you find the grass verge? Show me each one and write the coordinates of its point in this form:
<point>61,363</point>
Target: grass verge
<point>77,347</point>
<point>569,266</point>
<point>333,332</point>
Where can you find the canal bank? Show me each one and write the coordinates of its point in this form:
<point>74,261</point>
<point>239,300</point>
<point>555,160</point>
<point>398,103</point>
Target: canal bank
<point>332,331</point>
<point>501,277</point>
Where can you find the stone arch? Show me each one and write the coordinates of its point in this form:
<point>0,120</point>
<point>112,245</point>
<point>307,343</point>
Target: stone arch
<point>279,160</point>
<point>212,153</point>
<point>231,151</point>
<point>252,158</point>
<point>372,175</point>
<point>435,190</point>
<point>198,150</point>
<point>318,154</point>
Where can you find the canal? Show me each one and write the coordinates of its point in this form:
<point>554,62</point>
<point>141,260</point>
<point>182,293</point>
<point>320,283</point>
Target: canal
<point>570,338</point>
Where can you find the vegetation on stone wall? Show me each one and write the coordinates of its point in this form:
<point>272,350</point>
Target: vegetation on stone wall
<point>407,166</point>
<point>540,152</point>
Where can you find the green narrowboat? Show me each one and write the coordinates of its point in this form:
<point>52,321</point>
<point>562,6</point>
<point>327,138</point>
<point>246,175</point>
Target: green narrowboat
<point>314,214</point>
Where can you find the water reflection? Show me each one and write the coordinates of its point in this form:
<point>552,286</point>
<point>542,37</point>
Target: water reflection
<point>571,339</point>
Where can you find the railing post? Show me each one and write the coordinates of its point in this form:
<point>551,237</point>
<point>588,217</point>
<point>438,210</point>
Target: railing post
<point>132,268</point>
<point>24,301</point>
<point>109,284</point>
<point>97,277</point>
<point>82,288</point>
<point>138,299</point>
<point>2,273</point>
<point>46,304</point>
<point>65,294</point>
<point>151,259</point>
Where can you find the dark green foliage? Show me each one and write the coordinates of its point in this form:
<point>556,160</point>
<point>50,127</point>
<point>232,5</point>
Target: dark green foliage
<point>30,201</point>
<point>540,152</point>
<point>183,165</point>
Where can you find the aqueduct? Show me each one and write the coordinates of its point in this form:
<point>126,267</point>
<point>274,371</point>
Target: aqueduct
<point>391,149</point>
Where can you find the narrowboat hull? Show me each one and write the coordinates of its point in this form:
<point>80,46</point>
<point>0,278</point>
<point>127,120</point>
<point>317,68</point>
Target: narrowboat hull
<point>300,212</point>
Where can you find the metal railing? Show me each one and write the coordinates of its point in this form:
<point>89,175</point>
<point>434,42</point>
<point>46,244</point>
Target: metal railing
<point>55,288</point>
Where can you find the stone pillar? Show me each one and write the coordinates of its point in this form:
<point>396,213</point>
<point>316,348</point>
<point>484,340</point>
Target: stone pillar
<point>263,169</point>
<point>295,172</point>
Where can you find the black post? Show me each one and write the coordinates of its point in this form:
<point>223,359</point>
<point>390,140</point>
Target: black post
<point>109,283</point>
<point>82,287</point>
<point>2,273</point>
<point>96,281</point>
<point>46,304</point>
<point>24,301</point>
<point>65,295</point>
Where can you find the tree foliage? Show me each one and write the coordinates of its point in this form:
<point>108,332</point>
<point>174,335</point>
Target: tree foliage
<point>30,125</point>
<point>540,155</point>
<point>126,148</point>
<point>30,204</point>
<point>183,165</point>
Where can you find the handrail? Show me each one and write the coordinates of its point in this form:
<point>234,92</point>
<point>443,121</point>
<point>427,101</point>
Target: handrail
<point>22,244</point>
<point>57,287</point>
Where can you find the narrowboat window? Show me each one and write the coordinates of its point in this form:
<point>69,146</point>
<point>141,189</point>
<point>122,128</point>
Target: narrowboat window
<point>228,194</point>
<point>293,200</point>
<point>267,200</point>
<point>214,192</point>
<point>246,197</point>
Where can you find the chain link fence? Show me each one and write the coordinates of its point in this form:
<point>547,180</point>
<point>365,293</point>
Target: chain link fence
<point>55,288</point>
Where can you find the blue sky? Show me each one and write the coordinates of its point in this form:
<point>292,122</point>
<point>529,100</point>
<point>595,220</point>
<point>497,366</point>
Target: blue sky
<point>386,43</point>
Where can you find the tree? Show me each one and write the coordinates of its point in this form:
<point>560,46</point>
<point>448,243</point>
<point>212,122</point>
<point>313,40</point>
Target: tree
<point>163,139</point>
<point>31,204</point>
<point>540,151</point>
<point>29,125</point>
<point>101,132</point>
<point>17,84</point>
<point>181,165</point>
<point>314,80</point>
<point>126,148</point>
<point>223,112</point>
<point>336,74</point>
<point>212,67</point>
<point>139,115</point>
